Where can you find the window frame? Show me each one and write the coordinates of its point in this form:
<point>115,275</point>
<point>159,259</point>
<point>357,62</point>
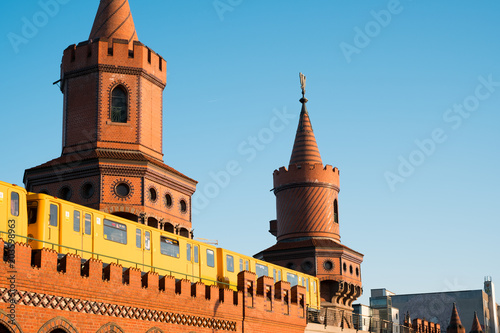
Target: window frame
<point>123,114</point>
<point>106,226</point>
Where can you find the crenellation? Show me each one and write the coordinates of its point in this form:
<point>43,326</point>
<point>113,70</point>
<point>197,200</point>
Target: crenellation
<point>198,290</point>
<point>113,273</point>
<point>132,277</point>
<point>183,287</point>
<point>115,52</point>
<point>151,280</point>
<point>167,284</point>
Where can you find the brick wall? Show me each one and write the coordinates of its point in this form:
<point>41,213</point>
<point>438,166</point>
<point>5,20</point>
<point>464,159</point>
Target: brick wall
<point>87,298</point>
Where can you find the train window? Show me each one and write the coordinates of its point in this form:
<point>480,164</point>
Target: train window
<point>32,211</point>
<point>88,226</point>
<point>314,286</point>
<point>169,247</point>
<point>210,258</point>
<point>247,265</point>
<point>196,254</point>
<point>53,215</point>
<point>230,263</point>
<point>147,237</point>
<point>292,278</point>
<point>261,270</point>
<point>138,240</point>
<point>188,252</point>
<point>14,204</point>
<point>114,231</point>
<point>241,265</point>
<point>307,284</point>
<point>274,275</point>
<point>279,275</point>
<point>76,221</point>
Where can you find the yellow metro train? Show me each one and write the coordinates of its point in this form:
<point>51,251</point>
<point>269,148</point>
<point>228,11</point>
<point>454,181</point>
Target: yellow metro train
<point>46,221</point>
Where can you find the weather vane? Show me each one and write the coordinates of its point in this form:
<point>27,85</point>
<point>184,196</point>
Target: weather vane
<point>303,84</point>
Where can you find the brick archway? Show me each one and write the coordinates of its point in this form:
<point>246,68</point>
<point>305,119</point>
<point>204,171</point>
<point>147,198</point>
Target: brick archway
<point>154,330</point>
<point>4,320</point>
<point>58,323</point>
<point>110,328</point>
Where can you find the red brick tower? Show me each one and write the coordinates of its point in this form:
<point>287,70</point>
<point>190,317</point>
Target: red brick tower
<point>307,225</point>
<point>112,156</point>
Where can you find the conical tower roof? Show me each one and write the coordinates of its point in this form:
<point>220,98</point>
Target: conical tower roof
<point>114,20</point>
<point>476,325</point>
<point>305,148</point>
<point>455,325</point>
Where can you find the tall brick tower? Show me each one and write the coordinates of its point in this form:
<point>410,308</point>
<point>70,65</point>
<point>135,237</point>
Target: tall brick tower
<point>307,225</point>
<point>112,156</point>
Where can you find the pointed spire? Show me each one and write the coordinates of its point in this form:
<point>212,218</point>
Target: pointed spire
<point>476,325</point>
<point>455,325</point>
<point>305,148</point>
<point>114,20</point>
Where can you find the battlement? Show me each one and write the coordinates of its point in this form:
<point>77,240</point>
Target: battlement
<point>112,292</point>
<point>306,172</point>
<point>116,53</point>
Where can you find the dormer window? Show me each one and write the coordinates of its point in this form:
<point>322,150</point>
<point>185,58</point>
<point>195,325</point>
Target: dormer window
<point>119,105</point>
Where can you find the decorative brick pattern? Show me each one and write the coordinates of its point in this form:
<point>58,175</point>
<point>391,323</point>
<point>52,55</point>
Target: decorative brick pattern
<point>113,310</point>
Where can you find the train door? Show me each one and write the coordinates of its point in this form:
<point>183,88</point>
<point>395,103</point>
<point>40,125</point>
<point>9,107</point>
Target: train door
<point>86,234</point>
<point>143,247</point>
<point>192,262</point>
<point>53,218</point>
<point>14,224</point>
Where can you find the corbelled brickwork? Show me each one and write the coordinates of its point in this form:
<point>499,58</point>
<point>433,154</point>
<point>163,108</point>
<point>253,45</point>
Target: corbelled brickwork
<point>44,293</point>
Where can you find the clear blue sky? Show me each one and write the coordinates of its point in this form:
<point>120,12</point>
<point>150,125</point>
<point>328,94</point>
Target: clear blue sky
<point>382,76</point>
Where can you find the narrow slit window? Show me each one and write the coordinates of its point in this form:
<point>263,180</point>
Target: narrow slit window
<point>230,263</point>
<point>147,237</point>
<point>76,221</point>
<point>53,215</point>
<point>188,252</point>
<point>138,238</point>
<point>14,204</point>
<point>210,258</point>
<point>88,224</point>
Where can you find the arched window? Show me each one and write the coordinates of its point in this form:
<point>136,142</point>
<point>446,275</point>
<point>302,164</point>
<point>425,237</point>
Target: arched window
<point>119,105</point>
<point>336,211</point>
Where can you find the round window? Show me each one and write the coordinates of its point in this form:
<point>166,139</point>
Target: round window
<point>183,206</point>
<point>122,189</point>
<point>307,266</point>
<point>357,271</point>
<point>152,194</point>
<point>87,191</point>
<point>65,193</point>
<point>168,200</point>
<point>350,269</point>
<point>344,266</point>
<point>328,265</point>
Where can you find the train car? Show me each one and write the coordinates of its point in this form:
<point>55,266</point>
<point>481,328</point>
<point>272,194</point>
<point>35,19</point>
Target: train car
<point>13,212</point>
<point>70,228</point>
<point>231,263</point>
